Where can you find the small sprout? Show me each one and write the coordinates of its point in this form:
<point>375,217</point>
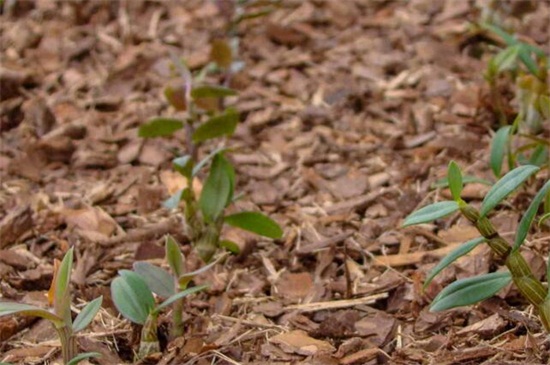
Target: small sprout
<point>132,293</point>
<point>59,298</point>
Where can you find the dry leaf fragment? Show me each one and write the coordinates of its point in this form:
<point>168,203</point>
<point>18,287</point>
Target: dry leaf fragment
<point>299,342</point>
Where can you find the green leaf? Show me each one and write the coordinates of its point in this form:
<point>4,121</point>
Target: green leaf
<point>230,246</point>
<point>173,201</point>
<point>212,91</point>
<point>470,290</point>
<point>506,59</point>
<point>198,167</point>
<point>509,39</point>
<point>7,308</point>
<point>431,212</point>
<point>179,295</point>
<point>158,280</point>
<point>539,156</point>
<point>184,165</point>
<point>217,190</point>
<point>467,179</point>
<point>499,148</point>
<point>220,125</point>
<point>78,358</point>
<point>525,57</point>
<point>132,296</point>
<point>505,186</point>
<point>174,256</point>
<point>87,314</point>
<point>186,278</point>
<point>529,216</point>
<point>62,294</point>
<point>255,222</point>
<point>453,256</point>
<point>543,218</point>
<point>455,181</point>
<point>160,127</point>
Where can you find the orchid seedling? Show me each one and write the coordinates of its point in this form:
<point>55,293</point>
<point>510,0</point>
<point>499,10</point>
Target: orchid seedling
<point>133,296</point>
<point>59,314</point>
<point>472,290</point>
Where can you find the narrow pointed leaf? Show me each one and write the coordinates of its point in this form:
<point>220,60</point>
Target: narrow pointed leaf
<point>87,314</point>
<point>217,126</point>
<point>132,297</point>
<point>217,190</point>
<point>529,216</point>
<point>7,308</point>
<point>499,147</point>
<point>62,296</point>
<point>174,256</point>
<point>506,59</point>
<point>183,165</point>
<point>431,212</point>
<point>186,278</point>
<point>455,181</point>
<point>255,222</point>
<point>452,257</point>
<point>180,295</point>
<point>158,280</point>
<point>525,57</point>
<point>173,201</point>
<point>505,186</point>
<point>207,159</point>
<point>466,179</point>
<point>230,246</point>
<point>470,291</point>
<point>160,127</point>
<point>78,358</point>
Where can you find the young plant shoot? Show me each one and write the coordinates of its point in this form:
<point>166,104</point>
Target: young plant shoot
<point>134,299</point>
<point>472,290</point>
<point>59,315</point>
<point>205,120</point>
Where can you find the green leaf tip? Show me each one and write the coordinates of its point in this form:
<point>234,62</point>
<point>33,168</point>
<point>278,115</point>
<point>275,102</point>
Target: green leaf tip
<point>505,186</point>
<point>430,213</point>
<point>455,181</point>
<point>255,222</point>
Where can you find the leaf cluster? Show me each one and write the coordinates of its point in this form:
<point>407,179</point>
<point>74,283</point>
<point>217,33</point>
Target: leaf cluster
<point>59,313</point>
<point>472,290</point>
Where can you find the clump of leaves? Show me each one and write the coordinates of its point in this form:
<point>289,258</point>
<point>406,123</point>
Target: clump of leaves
<point>59,298</point>
<point>472,290</point>
<point>206,119</point>
<point>527,66</point>
<point>132,293</point>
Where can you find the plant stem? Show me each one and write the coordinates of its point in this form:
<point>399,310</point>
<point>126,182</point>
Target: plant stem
<point>177,325</point>
<point>149,343</point>
<point>528,285</point>
<point>69,348</point>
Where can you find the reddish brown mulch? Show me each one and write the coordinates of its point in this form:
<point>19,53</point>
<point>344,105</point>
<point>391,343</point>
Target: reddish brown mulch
<point>350,111</point>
